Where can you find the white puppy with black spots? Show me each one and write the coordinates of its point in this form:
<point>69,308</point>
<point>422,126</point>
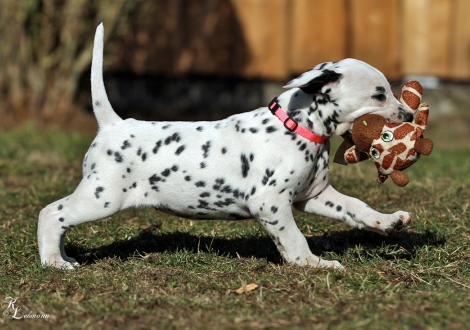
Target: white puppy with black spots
<point>250,165</point>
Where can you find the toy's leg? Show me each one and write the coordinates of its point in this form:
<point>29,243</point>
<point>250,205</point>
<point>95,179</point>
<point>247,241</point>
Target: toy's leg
<point>354,212</point>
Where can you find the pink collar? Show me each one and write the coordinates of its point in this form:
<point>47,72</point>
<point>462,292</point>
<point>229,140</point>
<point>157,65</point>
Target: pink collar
<point>292,125</point>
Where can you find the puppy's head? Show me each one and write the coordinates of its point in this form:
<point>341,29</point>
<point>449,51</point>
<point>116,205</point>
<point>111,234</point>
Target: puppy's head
<point>349,89</point>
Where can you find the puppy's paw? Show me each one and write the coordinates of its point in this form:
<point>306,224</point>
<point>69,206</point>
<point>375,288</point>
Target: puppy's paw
<point>402,219</point>
<point>335,264</point>
<point>322,263</point>
<point>62,264</point>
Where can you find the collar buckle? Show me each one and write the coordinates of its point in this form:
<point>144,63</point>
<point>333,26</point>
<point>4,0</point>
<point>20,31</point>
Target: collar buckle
<point>293,128</point>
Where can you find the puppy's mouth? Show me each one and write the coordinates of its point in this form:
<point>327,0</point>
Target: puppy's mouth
<point>403,115</point>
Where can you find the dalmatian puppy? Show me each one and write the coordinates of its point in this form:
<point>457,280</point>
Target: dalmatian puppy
<point>250,165</point>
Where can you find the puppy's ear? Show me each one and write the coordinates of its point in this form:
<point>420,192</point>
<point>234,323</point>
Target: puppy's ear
<point>312,81</point>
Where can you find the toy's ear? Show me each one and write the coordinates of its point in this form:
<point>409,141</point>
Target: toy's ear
<point>313,80</point>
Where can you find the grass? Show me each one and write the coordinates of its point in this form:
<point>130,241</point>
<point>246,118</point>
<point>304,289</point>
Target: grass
<point>145,269</point>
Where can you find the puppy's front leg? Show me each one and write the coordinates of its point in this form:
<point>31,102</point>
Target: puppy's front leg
<point>291,243</point>
<point>354,212</point>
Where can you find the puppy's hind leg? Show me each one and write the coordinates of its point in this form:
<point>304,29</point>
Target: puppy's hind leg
<point>354,212</point>
<point>87,203</point>
<point>291,243</point>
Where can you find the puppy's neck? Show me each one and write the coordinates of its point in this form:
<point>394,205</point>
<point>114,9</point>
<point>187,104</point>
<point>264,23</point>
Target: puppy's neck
<point>317,112</point>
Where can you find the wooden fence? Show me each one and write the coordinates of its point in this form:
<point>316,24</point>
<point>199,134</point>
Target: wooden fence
<point>277,39</point>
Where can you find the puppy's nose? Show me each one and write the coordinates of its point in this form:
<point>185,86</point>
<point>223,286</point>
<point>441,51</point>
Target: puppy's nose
<point>407,117</point>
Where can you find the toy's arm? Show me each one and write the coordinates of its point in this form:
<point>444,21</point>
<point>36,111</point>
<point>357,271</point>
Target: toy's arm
<point>353,155</point>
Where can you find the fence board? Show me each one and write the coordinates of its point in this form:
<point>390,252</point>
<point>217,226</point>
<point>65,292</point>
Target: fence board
<point>460,58</point>
<point>375,34</point>
<point>317,33</point>
<point>264,23</point>
<point>426,37</point>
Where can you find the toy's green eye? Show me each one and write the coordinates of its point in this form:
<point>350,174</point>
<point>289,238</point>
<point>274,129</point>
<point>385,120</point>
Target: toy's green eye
<point>375,153</point>
<point>387,136</point>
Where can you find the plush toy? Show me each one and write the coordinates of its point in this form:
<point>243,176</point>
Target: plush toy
<point>392,147</point>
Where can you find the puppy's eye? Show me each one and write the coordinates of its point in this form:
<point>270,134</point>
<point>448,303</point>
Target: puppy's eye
<point>374,153</point>
<point>387,136</point>
<point>379,97</point>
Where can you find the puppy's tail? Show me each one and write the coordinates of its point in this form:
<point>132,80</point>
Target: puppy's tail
<point>103,110</point>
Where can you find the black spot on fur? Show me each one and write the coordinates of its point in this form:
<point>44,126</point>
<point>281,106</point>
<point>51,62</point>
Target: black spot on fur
<point>205,147</point>
<point>245,165</point>
<point>173,138</point>
<point>179,150</point>
<point>274,209</point>
<point>270,129</point>
<point>199,128</point>
<point>61,219</point>
<point>125,145</point>
<point>154,179</point>
<point>264,121</point>
<point>202,165</point>
<point>144,156</point>
<point>253,190</point>
<point>200,184</point>
<point>98,190</point>
<point>166,172</point>
<point>187,178</point>
<point>174,168</point>
<point>106,204</point>
<point>330,204</point>
<point>351,215</point>
<point>60,207</point>
<point>268,174</point>
<point>128,170</point>
<point>339,208</point>
<point>253,130</point>
<point>224,150</point>
<point>118,157</point>
<point>225,202</point>
<point>157,146</point>
<point>204,194</point>
<point>166,126</point>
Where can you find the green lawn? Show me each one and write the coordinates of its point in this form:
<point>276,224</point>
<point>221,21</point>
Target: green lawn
<point>145,269</point>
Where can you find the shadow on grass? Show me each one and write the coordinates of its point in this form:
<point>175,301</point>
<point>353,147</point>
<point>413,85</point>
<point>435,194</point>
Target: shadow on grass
<point>150,240</point>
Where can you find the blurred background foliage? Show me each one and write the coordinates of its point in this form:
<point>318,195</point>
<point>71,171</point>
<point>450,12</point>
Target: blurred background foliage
<point>205,59</point>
